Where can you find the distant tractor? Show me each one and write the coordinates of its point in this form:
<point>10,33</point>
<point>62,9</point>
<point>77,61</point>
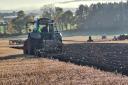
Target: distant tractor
<point>122,37</point>
<point>44,38</point>
<point>16,43</point>
<point>104,37</point>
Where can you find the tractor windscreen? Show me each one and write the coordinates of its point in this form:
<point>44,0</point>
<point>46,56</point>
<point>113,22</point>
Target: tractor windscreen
<point>44,21</point>
<point>41,25</point>
<point>45,25</point>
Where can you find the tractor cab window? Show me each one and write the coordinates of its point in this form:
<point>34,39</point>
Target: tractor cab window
<point>46,27</point>
<point>43,28</point>
<point>51,27</point>
<point>55,28</point>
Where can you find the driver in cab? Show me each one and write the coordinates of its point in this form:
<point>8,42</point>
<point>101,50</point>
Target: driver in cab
<point>43,28</point>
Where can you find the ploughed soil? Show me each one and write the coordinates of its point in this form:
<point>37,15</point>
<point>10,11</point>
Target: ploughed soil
<point>104,54</point>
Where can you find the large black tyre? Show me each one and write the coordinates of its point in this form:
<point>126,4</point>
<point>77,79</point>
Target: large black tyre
<point>60,48</point>
<point>25,51</point>
<point>30,47</point>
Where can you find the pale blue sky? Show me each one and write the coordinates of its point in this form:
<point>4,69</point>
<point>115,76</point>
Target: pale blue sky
<point>26,4</point>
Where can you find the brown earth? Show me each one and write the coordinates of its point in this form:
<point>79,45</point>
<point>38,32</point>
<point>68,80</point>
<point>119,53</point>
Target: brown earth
<point>5,50</point>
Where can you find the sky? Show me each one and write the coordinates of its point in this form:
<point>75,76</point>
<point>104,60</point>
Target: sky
<point>34,4</point>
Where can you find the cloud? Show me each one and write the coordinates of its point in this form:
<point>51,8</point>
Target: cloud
<point>70,1</point>
<point>34,4</point>
<point>21,4</point>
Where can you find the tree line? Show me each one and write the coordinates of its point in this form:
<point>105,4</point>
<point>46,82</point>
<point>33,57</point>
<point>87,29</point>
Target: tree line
<point>97,18</point>
<point>100,18</point>
<point>16,25</point>
<point>111,18</point>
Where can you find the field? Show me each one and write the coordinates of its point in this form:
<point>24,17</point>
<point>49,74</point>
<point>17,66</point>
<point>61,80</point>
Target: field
<point>106,56</point>
<point>41,71</point>
<point>5,50</point>
<point>25,70</point>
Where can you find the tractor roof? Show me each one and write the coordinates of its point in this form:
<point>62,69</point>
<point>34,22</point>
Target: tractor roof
<point>45,21</point>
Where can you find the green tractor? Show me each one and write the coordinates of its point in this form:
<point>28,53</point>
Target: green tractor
<point>44,39</point>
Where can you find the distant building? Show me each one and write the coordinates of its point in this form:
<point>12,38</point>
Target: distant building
<point>3,26</point>
<point>2,21</point>
<point>6,22</point>
<point>8,18</point>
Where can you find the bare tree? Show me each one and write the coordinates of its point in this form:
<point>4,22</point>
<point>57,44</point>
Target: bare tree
<point>48,11</point>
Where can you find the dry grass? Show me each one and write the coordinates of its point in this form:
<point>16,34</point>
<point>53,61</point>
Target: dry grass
<point>52,72</point>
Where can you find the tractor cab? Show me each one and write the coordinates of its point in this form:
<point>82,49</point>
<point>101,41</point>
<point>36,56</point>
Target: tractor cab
<point>44,28</point>
<point>44,25</point>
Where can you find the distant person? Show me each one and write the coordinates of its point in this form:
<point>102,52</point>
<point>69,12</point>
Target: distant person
<point>90,39</point>
<point>115,38</point>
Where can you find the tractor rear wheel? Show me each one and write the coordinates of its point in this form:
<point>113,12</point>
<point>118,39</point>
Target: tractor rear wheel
<point>25,51</point>
<point>28,47</point>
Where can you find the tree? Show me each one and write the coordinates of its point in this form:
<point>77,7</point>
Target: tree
<point>81,14</point>
<point>19,23</point>
<point>57,18</point>
<point>48,11</point>
<point>27,20</point>
<point>20,14</point>
<point>67,18</point>
<point>58,13</point>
